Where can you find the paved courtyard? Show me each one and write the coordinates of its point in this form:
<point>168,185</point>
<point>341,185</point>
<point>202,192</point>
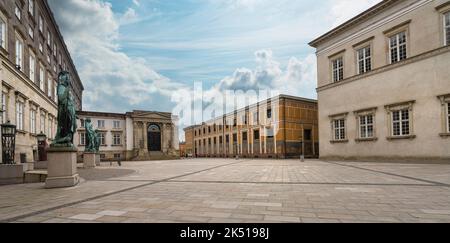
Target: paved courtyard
<point>239,191</point>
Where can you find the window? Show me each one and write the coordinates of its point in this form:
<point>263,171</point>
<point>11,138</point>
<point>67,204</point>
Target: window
<point>366,126</point>
<point>18,13</point>
<point>102,156</point>
<point>41,24</point>
<point>3,117</point>
<point>2,33</point>
<point>339,129</point>
<point>49,87</point>
<point>244,136</point>
<point>102,139</point>
<point>82,138</point>
<point>32,67</point>
<point>400,123</point>
<point>19,54</point>
<point>269,133</point>
<point>269,113</point>
<point>244,120</point>
<point>447,28</point>
<point>117,139</point>
<point>82,123</point>
<point>19,115</point>
<point>397,46</point>
<point>255,118</point>
<point>307,135</point>
<point>41,77</point>
<point>50,128</point>
<point>54,49</point>
<point>220,140</point>
<point>338,69</point>
<point>42,123</point>
<point>48,57</point>
<point>117,156</point>
<point>33,121</point>
<point>49,39</point>
<point>30,32</point>
<point>364,60</point>
<point>101,124</point>
<point>31,7</point>
<point>55,92</point>
<point>256,135</point>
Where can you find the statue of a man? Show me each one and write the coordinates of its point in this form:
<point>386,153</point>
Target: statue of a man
<point>97,141</point>
<point>67,123</point>
<point>91,139</point>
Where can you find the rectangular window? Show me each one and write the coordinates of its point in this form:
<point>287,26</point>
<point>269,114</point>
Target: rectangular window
<point>33,121</point>
<point>364,60</point>
<point>54,49</point>
<point>270,133</point>
<point>244,136</point>
<point>102,139</point>
<point>41,49</point>
<point>256,135</point>
<point>2,33</point>
<point>18,12</point>
<point>255,118</point>
<point>49,87</point>
<point>397,47</point>
<point>117,156</point>
<point>19,54</point>
<point>447,28</point>
<point>102,156</point>
<point>269,113</point>
<point>31,7</point>
<point>30,32</point>
<point>49,39</point>
<point>32,67</point>
<point>220,140</point>
<point>339,129</point>
<point>19,115</point>
<point>338,69</point>
<point>82,138</point>
<point>3,117</point>
<point>55,92</point>
<point>400,123</point>
<point>41,24</point>
<point>117,139</point>
<point>42,123</point>
<point>41,77</point>
<point>50,128</point>
<point>101,124</point>
<point>366,126</point>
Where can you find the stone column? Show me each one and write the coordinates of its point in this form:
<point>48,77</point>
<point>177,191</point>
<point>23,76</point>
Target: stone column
<point>145,135</point>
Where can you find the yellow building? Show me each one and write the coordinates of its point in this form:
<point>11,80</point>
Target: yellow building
<point>281,127</point>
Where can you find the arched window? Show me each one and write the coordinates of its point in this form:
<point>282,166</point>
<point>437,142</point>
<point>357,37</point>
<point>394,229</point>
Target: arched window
<point>154,128</point>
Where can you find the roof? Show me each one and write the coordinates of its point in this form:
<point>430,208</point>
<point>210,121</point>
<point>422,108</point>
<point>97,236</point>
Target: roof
<point>355,20</point>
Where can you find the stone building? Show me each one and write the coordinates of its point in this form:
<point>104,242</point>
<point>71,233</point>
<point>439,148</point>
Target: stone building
<point>384,83</point>
<point>32,53</point>
<point>137,135</point>
<point>274,128</point>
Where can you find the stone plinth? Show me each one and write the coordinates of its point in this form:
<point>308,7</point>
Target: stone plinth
<point>89,160</point>
<point>97,160</point>
<point>40,165</point>
<point>62,168</point>
<point>11,174</point>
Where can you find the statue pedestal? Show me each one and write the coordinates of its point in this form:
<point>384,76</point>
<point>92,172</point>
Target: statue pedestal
<point>62,168</point>
<point>97,160</point>
<point>89,160</point>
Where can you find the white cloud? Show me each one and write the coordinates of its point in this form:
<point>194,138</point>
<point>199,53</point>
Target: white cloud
<point>137,3</point>
<point>113,81</point>
<point>129,17</point>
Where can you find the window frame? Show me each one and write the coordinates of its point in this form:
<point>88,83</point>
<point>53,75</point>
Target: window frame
<point>82,138</point>
<point>42,122</point>
<point>446,17</point>
<point>18,12</point>
<point>20,106</point>
<point>3,32</point>
<point>343,130</point>
<point>115,137</point>
<point>100,123</point>
<point>33,127</point>
<point>31,7</point>
<point>366,60</point>
<point>445,108</point>
<point>398,45</point>
<point>32,68</point>
<point>19,53</point>
<point>366,113</point>
<point>338,70</point>
<point>401,107</point>
<point>4,107</point>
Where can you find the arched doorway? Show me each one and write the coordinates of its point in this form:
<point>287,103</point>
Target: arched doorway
<point>154,138</point>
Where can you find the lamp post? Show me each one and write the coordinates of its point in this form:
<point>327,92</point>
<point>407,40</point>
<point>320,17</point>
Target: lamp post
<point>8,142</point>
<point>42,145</point>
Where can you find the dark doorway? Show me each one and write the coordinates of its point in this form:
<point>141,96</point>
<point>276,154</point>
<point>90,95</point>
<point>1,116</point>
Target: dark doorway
<point>154,138</point>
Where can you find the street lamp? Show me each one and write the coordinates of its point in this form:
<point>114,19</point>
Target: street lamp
<point>8,142</point>
<point>42,145</point>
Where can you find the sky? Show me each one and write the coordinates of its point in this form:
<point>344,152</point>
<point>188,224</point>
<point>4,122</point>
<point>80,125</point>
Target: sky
<point>147,54</point>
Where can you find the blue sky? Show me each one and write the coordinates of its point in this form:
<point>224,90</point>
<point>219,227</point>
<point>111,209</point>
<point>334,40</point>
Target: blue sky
<point>139,54</point>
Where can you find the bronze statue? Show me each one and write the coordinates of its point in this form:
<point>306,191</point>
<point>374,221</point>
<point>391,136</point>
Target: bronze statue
<point>67,122</point>
<point>97,141</point>
<point>91,137</point>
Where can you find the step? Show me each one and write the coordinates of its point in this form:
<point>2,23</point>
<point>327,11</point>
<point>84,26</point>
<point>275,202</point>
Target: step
<point>35,176</point>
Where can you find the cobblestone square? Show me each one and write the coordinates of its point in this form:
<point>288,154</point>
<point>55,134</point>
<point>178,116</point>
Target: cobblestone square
<point>239,191</point>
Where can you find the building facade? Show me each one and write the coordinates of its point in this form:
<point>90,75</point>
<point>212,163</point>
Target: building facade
<point>32,53</point>
<point>384,83</point>
<point>281,127</point>
<point>137,135</point>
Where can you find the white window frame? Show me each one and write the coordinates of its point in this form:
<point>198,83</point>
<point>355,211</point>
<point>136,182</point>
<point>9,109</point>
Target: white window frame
<point>398,46</point>
<point>42,123</point>
<point>101,123</point>
<point>32,66</point>
<point>102,137</point>
<point>3,32</point>
<point>31,7</point>
<point>33,121</point>
<point>55,91</point>
<point>4,107</point>
<point>402,118</point>
<point>18,12</point>
<point>339,129</point>
<point>400,108</point>
<point>41,77</point>
<point>446,28</point>
<point>41,24</point>
<point>117,139</point>
<point>116,124</point>
<point>49,86</point>
<point>19,53</point>
<point>82,138</point>
<point>365,60</point>
<point>19,115</point>
<point>364,125</point>
<point>30,32</point>
<point>337,69</point>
